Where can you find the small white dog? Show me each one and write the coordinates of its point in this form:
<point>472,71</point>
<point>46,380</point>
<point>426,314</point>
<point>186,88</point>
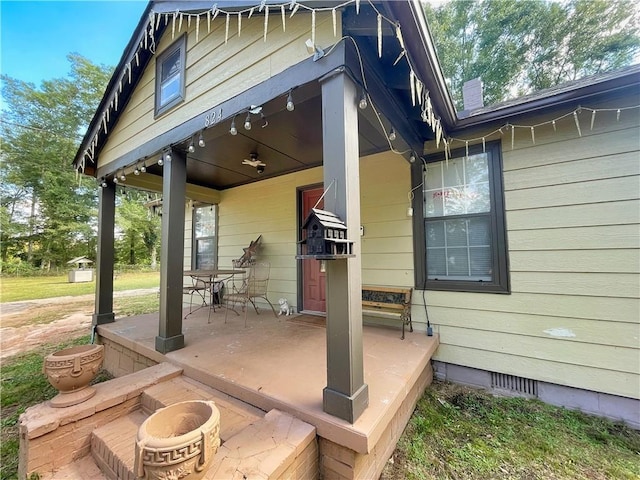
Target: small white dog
<point>285,309</point>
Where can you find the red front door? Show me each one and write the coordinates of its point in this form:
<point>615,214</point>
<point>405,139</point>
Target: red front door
<point>313,280</point>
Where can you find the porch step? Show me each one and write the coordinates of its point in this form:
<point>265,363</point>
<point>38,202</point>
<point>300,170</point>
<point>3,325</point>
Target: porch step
<point>112,445</point>
<point>234,414</point>
<point>254,444</point>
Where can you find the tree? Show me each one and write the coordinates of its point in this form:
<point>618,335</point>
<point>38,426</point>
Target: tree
<point>139,229</point>
<point>517,47</point>
<point>49,209</point>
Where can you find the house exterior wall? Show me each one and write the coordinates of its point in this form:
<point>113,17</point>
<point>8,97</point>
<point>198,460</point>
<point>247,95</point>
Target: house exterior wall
<point>572,214</point>
<point>268,208</point>
<point>572,203</point>
<point>215,72</point>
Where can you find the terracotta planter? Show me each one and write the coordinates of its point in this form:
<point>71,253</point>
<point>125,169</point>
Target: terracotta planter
<point>178,441</point>
<point>70,371</point>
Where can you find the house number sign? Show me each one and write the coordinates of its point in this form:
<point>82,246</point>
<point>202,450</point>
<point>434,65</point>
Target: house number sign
<point>212,118</point>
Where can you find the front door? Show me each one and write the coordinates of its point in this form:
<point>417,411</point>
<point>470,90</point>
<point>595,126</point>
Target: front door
<point>313,278</point>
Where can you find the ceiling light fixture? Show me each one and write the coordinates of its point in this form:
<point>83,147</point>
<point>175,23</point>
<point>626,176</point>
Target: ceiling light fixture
<point>161,160</point>
<point>233,130</point>
<point>192,147</point>
<point>201,143</point>
<point>136,171</point>
<point>143,168</point>
<point>247,122</point>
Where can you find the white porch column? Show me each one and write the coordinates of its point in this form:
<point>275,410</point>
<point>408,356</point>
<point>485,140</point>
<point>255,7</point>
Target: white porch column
<point>346,395</point>
<point>174,183</point>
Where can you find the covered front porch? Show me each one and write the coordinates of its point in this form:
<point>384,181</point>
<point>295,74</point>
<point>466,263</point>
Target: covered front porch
<point>281,363</point>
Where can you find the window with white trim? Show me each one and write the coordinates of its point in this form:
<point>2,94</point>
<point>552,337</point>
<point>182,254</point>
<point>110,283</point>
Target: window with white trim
<point>205,239</point>
<point>170,76</point>
<point>463,227</point>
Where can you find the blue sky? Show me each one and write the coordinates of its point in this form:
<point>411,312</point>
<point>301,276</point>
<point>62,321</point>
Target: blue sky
<point>37,36</point>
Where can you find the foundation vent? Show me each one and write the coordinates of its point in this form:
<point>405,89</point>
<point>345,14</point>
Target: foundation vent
<point>514,385</point>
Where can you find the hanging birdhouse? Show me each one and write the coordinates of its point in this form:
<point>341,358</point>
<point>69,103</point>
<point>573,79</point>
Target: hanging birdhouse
<point>326,237</point>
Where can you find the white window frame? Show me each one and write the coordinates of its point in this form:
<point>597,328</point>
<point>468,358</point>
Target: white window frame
<point>195,263</point>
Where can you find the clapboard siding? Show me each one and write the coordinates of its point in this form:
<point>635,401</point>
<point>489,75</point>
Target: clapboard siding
<point>578,330</point>
<point>591,169</point>
<point>591,238</point>
<point>588,215</point>
<point>573,261</point>
<point>599,379</point>
<point>215,71</point>
<point>588,284</point>
<point>607,190</point>
<point>610,309</point>
<point>572,214</point>
<point>619,358</point>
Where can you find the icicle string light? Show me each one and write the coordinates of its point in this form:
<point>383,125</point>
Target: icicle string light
<point>284,18</point>
<point>335,22</point>
<point>573,114</point>
<point>419,93</point>
<point>575,118</point>
<point>173,26</point>
<point>379,36</point>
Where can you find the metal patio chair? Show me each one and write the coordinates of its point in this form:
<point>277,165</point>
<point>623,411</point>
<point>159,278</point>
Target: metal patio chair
<point>246,290</point>
<point>199,287</point>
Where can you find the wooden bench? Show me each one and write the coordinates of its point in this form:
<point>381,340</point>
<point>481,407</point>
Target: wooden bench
<point>388,302</point>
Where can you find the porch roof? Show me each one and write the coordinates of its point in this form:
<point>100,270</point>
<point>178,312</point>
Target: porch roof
<point>293,141</point>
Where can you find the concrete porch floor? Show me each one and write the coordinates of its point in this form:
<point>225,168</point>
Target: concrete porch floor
<point>281,363</point>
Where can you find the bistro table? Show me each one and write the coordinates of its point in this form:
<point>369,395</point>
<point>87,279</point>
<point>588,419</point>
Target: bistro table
<point>210,277</point>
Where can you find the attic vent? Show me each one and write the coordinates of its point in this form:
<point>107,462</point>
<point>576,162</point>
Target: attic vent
<point>514,385</point>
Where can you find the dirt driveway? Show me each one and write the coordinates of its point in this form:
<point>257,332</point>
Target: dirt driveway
<point>26,325</point>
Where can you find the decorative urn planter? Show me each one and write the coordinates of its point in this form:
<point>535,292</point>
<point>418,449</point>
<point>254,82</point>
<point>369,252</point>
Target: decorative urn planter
<point>70,371</point>
<point>178,441</point>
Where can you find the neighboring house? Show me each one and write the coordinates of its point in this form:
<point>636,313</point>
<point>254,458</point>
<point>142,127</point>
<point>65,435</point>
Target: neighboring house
<point>523,244</point>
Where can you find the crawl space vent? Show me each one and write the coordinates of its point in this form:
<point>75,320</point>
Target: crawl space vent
<point>514,385</point>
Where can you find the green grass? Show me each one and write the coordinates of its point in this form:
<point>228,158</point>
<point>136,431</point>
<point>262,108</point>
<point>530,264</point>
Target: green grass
<point>457,432</point>
<point>23,385</point>
<point>14,289</point>
<point>135,305</point>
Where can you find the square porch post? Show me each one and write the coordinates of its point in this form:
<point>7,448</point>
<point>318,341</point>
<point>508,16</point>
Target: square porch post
<point>174,181</point>
<point>105,256</point>
<point>346,395</point>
